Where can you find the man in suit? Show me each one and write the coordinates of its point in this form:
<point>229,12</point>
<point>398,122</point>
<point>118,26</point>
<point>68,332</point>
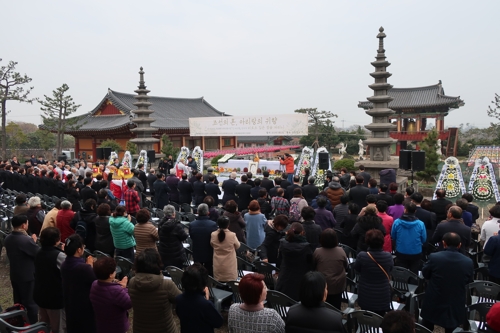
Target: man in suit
<point>274,190</point>
<point>310,191</point>
<point>358,193</point>
<point>212,189</point>
<point>473,209</point>
<point>429,218</point>
<point>199,189</point>
<point>173,183</point>
<point>210,171</point>
<point>439,205</point>
<point>266,182</point>
<point>21,251</point>
<point>243,192</point>
<point>289,189</point>
<point>185,190</point>
<point>285,182</point>
<point>448,273</point>
<point>453,224</point>
<point>228,186</point>
<point>200,231</point>
<point>151,180</point>
<point>249,180</point>
<point>161,191</point>
<point>382,195</point>
<point>255,190</point>
<point>366,176</point>
<point>87,192</point>
<point>142,176</point>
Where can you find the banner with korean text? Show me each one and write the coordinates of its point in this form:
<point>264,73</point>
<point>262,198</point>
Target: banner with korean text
<point>294,124</point>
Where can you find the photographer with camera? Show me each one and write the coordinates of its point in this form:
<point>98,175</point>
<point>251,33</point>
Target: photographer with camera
<point>289,164</point>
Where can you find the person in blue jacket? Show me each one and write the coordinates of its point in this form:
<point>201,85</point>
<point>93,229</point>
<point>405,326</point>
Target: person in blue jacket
<point>409,234</point>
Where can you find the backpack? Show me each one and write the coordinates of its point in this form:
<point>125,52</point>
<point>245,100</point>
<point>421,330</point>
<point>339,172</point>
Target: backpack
<point>81,228</point>
<point>294,214</point>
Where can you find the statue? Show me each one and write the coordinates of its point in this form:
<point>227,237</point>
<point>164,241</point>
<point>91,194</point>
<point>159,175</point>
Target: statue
<point>342,150</point>
<point>361,149</point>
<point>438,148</point>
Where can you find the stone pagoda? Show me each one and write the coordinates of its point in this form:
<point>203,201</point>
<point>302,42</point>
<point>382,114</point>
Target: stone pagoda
<point>144,132</point>
<point>379,143</point>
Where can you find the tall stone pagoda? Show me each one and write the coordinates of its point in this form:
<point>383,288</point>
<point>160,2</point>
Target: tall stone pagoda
<point>380,142</point>
<point>144,132</point>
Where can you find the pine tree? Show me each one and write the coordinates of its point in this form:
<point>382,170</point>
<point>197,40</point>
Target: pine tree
<point>168,147</point>
<point>429,145</point>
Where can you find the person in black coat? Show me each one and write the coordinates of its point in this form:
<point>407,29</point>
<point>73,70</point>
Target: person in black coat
<point>348,224</point>
<point>172,234</point>
<point>473,209</point>
<point>312,230</point>
<point>374,288</point>
<point>429,218</point>
<point>48,292</point>
<point>185,190</point>
<point>73,195</point>
<point>151,180</point>
<point>366,176</point>
<point>439,205</point>
<point>200,231</point>
<point>311,315</point>
<point>210,171</point>
<point>284,181</point>
<point>382,195</point>
<point>212,189</point>
<point>199,189</point>
<point>289,189</point>
<point>365,223</point>
<point>310,191</point>
<point>88,215</point>
<point>161,191</point>
<point>87,192</point>
<point>268,250</point>
<point>448,273</point>
<point>274,190</point>
<point>243,192</point>
<point>358,193</point>
<point>21,251</point>
<point>173,183</point>
<point>255,189</point>
<point>229,186</point>
<point>104,238</point>
<point>295,255</point>
<point>453,224</point>
<point>266,183</point>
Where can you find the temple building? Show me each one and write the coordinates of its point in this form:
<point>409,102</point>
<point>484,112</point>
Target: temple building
<point>413,106</point>
<point>118,115</point>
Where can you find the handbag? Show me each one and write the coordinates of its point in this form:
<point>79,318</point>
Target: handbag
<point>382,268</point>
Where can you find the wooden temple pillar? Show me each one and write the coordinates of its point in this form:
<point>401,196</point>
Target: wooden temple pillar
<point>77,147</point>
<point>94,146</point>
<point>418,124</point>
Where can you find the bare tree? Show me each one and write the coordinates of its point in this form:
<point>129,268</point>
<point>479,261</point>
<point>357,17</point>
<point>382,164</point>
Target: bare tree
<point>56,110</point>
<point>317,119</point>
<point>11,89</point>
<point>494,111</point>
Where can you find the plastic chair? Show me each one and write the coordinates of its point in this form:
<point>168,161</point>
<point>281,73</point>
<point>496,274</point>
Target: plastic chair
<point>349,251</point>
<point>473,312</point>
<point>331,307</point>
<point>189,257</point>
<point>363,321</point>
<point>485,292</point>
<point>243,252</point>
<point>244,265</point>
<point>401,278</point>
<point>421,329</point>
<point>176,206</point>
<point>217,295</point>
<point>280,302</point>
<point>403,300</point>
<point>124,268</point>
<point>176,275</point>
<point>267,270</point>
<point>481,274</point>
<point>5,327</point>
<point>236,292</point>
<point>349,295</point>
<point>340,235</point>
<point>416,305</point>
<point>186,208</point>
<point>98,254</point>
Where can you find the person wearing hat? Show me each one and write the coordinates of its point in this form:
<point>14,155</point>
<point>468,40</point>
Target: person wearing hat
<point>210,171</point>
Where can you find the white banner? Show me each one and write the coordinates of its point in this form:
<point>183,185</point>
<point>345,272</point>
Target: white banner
<point>294,124</point>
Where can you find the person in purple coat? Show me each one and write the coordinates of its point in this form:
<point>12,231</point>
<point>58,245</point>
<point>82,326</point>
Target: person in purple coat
<point>110,298</point>
<point>324,218</point>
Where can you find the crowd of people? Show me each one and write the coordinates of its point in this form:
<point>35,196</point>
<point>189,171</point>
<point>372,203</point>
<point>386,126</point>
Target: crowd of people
<point>295,225</point>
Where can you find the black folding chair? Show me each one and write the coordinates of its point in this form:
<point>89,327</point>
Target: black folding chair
<point>280,302</point>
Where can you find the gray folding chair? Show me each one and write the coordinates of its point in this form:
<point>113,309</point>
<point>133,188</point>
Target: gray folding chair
<point>363,322</point>
<point>176,275</point>
<point>218,295</point>
<point>280,302</point>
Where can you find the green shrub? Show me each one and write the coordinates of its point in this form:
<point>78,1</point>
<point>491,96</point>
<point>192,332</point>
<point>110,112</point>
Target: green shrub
<point>344,163</point>
<point>216,159</point>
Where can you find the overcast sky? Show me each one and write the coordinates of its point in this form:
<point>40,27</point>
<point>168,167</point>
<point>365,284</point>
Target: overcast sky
<point>254,57</point>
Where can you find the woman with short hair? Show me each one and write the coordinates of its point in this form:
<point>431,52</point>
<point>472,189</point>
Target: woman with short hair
<point>236,222</point>
<point>374,267</point>
<point>331,260</point>
<point>225,245</point>
<point>295,254</point>
<point>109,298</point>
<point>77,278</point>
<point>104,238</point>
<point>172,234</point>
<point>145,233</point>
<point>251,316</point>
<point>311,315</point>
<point>255,222</point>
<point>152,296</point>
<point>196,312</point>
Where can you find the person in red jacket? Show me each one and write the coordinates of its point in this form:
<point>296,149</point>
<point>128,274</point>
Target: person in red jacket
<point>63,220</point>
<point>289,164</point>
